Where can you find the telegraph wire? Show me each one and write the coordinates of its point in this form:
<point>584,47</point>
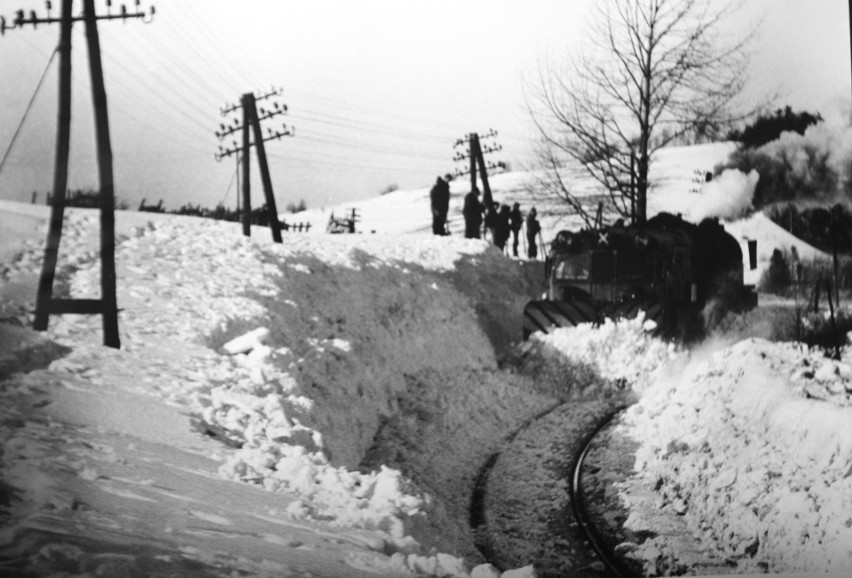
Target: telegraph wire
<point>203,56</point>
<point>343,122</point>
<point>374,148</point>
<point>376,112</point>
<point>168,67</point>
<point>173,112</point>
<point>175,67</point>
<point>233,178</point>
<point>329,119</point>
<point>201,26</point>
<point>28,109</point>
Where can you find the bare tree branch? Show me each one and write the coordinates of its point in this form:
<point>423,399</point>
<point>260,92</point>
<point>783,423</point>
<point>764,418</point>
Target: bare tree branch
<point>657,69</point>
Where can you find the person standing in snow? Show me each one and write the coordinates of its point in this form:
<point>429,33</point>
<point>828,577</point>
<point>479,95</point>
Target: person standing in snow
<point>439,197</point>
<point>491,220</point>
<point>516,221</point>
<point>533,229</point>
<point>472,212</point>
<point>503,228</point>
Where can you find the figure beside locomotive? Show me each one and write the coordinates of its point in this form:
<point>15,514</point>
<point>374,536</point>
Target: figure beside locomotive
<point>681,275</point>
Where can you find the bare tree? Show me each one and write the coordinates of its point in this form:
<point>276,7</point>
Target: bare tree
<point>653,71</point>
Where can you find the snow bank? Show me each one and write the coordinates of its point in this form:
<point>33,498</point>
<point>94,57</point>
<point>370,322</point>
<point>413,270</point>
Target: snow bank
<point>622,351</point>
<point>761,469</point>
<point>317,337</point>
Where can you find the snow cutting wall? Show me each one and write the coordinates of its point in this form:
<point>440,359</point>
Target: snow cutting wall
<point>339,339</point>
<point>753,445</point>
<point>352,329</point>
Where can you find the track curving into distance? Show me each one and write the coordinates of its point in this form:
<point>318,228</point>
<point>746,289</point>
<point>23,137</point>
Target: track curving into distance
<point>606,556</point>
<point>564,541</point>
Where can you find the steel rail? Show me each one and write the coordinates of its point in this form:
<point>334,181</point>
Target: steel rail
<point>577,503</point>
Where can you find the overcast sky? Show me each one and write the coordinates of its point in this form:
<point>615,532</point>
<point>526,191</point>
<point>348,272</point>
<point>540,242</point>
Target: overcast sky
<point>378,90</point>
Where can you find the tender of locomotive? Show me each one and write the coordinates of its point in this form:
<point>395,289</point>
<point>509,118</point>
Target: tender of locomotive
<point>681,275</point>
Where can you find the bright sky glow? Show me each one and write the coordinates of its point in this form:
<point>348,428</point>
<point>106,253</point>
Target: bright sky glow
<point>378,90</point>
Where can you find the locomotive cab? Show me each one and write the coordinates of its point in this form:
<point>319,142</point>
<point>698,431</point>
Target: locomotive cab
<point>668,268</point>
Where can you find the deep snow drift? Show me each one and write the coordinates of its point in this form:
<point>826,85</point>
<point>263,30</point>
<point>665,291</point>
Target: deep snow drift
<point>325,405</point>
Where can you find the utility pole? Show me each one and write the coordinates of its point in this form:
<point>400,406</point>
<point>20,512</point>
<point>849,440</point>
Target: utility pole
<point>46,304</point>
<point>251,124</point>
<point>475,153</point>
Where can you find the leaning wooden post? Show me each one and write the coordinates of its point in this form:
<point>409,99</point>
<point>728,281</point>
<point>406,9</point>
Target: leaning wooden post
<point>60,173</point>
<point>246,215</point>
<point>107,184</point>
<point>483,175</point>
<point>272,211</point>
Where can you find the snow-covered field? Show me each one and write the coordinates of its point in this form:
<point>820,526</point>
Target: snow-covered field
<point>323,406</point>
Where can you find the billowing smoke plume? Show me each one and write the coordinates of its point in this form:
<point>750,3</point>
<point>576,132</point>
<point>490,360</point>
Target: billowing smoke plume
<point>814,168</point>
<point>819,160</point>
<point>729,196</point>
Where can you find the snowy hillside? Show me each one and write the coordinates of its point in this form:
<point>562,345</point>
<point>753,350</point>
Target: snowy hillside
<point>675,191</point>
<point>325,406</point>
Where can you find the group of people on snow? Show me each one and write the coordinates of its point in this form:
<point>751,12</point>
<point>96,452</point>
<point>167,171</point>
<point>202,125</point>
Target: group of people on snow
<point>500,221</point>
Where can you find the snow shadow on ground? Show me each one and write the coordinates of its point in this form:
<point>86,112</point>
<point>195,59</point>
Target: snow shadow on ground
<point>403,369</point>
<point>24,350</point>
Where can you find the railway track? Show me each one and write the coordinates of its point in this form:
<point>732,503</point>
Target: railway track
<point>527,508</point>
<point>613,566</point>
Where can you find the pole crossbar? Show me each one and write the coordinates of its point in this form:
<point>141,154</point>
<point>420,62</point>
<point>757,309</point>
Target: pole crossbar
<point>46,304</point>
<point>252,136</point>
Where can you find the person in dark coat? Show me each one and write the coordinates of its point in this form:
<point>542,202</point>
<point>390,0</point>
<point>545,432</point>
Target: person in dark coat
<point>491,220</point>
<point>516,221</point>
<point>439,197</point>
<point>472,212</point>
<point>533,229</point>
<point>503,228</point>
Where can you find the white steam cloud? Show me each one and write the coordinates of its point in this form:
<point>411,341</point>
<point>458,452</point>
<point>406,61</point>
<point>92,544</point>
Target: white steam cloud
<point>829,141</point>
<point>729,196</point>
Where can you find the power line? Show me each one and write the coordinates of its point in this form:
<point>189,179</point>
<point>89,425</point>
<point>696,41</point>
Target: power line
<point>361,146</point>
<point>167,66</point>
<point>29,107</point>
<point>200,25</point>
<point>379,113</point>
<point>361,125</point>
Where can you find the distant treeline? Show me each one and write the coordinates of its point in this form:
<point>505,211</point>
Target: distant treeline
<point>89,198</point>
<point>824,228</point>
<point>258,216</point>
<point>85,198</point>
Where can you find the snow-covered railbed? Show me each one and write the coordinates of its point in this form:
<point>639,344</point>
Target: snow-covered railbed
<point>357,376</point>
<point>749,448</point>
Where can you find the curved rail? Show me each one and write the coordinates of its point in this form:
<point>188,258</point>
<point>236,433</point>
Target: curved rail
<point>580,514</point>
<point>594,546</point>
